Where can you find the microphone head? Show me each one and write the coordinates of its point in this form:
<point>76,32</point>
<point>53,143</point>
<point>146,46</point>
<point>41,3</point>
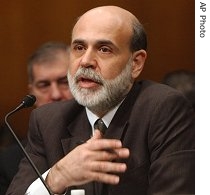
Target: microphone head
<point>28,101</point>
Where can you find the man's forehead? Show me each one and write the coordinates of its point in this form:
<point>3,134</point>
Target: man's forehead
<point>49,69</point>
<point>107,11</point>
<point>100,31</point>
<point>104,18</point>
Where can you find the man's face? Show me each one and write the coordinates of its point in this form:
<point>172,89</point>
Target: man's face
<point>99,55</point>
<point>50,82</point>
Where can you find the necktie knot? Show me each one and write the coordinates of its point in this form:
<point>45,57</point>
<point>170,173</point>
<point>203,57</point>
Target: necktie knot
<point>99,124</point>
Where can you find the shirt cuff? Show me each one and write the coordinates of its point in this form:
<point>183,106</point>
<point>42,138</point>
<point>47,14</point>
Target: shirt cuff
<point>37,187</point>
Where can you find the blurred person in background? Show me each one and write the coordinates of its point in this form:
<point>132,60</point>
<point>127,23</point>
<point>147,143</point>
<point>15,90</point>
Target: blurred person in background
<point>183,81</point>
<point>47,80</point>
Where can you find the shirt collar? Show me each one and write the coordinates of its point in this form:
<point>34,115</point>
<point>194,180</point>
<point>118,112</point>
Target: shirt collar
<point>107,118</point>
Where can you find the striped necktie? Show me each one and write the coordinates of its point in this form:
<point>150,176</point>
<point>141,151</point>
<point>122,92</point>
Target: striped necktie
<point>99,124</point>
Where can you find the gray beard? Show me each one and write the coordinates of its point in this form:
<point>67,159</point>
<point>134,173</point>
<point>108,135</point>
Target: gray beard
<point>102,99</point>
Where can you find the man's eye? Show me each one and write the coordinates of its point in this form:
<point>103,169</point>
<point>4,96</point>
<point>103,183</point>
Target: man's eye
<point>63,82</point>
<point>79,47</point>
<point>105,49</point>
<point>42,85</point>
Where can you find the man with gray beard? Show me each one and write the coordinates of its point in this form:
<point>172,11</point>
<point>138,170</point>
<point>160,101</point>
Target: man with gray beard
<point>111,92</point>
<point>118,136</point>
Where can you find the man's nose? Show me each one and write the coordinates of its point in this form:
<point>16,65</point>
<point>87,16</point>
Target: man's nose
<point>56,93</point>
<point>88,59</point>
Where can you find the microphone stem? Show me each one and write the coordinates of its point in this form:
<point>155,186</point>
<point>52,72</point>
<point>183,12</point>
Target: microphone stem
<point>22,148</point>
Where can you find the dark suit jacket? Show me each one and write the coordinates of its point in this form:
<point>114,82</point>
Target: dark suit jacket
<point>155,122</point>
<point>10,158</point>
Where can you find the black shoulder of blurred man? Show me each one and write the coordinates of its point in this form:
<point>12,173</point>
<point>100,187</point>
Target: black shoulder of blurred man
<point>7,168</point>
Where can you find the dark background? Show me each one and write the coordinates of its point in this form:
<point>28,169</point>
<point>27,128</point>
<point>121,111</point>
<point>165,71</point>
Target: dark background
<point>25,25</point>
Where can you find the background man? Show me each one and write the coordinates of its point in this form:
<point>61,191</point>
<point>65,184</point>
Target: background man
<point>47,76</point>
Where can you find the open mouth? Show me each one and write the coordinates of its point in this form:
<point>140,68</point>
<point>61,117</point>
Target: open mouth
<point>87,82</point>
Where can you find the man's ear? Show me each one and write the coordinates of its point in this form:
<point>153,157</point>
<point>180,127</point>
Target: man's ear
<point>139,58</point>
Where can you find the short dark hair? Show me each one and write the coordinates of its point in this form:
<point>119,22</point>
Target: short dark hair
<point>139,38</point>
<point>45,53</point>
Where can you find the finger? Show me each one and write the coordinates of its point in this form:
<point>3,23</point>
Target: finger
<point>109,155</point>
<point>97,134</point>
<point>108,167</point>
<point>121,152</point>
<point>105,155</point>
<point>103,144</point>
<point>105,178</point>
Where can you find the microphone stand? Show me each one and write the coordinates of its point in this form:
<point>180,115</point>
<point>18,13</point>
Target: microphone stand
<point>23,149</point>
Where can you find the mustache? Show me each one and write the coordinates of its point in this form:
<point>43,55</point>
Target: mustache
<point>88,73</point>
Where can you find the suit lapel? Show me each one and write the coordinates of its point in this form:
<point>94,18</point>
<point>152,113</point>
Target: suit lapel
<point>119,124</point>
<point>79,131</point>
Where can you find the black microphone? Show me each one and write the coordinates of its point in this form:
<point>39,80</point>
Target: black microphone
<point>28,101</point>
